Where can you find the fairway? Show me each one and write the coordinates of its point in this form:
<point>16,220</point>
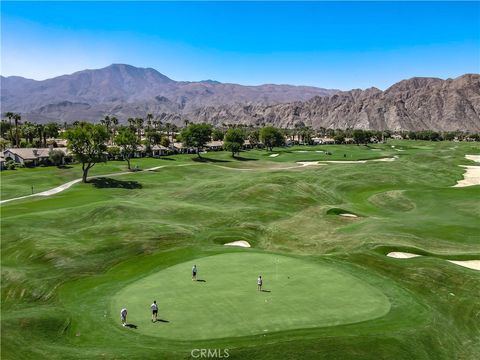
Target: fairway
<point>297,294</point>
<point>71,261</point>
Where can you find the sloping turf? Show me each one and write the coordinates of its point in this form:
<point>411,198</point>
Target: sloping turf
<point>66,258</point>
<point>226,303</point>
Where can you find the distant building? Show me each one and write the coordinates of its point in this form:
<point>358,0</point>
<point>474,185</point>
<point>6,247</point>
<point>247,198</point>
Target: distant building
<point>324,140</point>
<point>179,148</point>
<point>214,145</point>
<point>31,156</point>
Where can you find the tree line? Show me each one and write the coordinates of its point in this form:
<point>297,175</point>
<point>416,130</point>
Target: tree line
<point>92,143</point>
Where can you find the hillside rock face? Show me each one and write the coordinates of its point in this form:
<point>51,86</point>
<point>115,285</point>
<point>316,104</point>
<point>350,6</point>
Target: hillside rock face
<point>414,104</point>
<point>126,91</point>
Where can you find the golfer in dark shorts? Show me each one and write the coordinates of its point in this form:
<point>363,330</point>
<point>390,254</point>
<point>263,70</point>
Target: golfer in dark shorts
<point>194,272</point>
<point>154,308</point>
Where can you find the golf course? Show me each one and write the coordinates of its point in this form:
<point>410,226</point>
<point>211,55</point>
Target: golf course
<point>319,222</point>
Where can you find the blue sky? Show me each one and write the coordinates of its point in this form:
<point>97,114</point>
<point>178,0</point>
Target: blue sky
<point>340,45</point>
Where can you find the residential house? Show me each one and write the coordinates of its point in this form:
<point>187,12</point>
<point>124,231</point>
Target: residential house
<point>32,156</point>
<point>214,145</point>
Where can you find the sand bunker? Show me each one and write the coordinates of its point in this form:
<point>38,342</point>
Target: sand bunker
<point>324,162</point>
<point>348,215</point>
<point>309,163</point>
<point>387,159</point>
<point>471,264</point>
<point>471,176</point>
<point>241,243</point>
<point>402,255</point>
<point>274,155</point>
<point>345,161</point>
<point>475,158</point>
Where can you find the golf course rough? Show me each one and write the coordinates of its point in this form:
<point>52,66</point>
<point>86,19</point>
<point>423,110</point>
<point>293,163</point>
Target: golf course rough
<point>69,259</point>
<point>225,302</point>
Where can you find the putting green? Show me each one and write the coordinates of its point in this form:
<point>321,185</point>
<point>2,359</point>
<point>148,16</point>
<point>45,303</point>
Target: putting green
<point>299,294</point>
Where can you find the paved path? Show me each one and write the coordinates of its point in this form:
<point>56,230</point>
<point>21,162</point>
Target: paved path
<point>67,185</point>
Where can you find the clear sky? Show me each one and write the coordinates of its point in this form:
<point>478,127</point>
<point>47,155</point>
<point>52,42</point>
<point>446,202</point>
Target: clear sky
<point>339,45</point>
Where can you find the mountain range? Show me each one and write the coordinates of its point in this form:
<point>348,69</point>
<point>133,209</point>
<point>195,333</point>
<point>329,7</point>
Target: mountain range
<point>127,91</point>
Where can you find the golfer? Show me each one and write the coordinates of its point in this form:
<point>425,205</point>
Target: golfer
<point>259,283</point>
<point>154,308</point>
<point>194,272</point>
<point>123,316</point>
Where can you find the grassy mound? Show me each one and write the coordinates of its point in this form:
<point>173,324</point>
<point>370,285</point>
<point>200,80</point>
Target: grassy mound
<point>66,258</point>
<point>394,200</point>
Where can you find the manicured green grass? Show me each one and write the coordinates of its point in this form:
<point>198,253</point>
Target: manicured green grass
<point>19,182</point>
<point>66,259</point>
<point>225,303</point>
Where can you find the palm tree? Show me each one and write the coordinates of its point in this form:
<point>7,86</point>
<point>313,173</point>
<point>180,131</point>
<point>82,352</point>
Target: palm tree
<point>149,121</point>
<point>17,119</point>
<point>131,122</point>
<point>114,121</point>
<point>167,129</point>
<point>139,123</point>
<point>107,121</point>
<point>29,131</point>
<point>10,115</point>
<point>41,133</point>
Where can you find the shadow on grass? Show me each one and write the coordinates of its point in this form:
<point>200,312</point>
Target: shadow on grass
<point>132,326</point>
<point>162,321</point>
<point>265,290</point>
<point>201,280</point>
<point>103,183</point>
<point>207,160</point>
<point>64,167</point>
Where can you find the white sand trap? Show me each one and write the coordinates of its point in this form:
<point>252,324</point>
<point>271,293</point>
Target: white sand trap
<point>402,255</point>
<point>387,159</point>
<point>471,264</point>
<point>475,158</point>
<point>471,176</point>
<point>309,163</point>
<point>274,155</point>
<point>348,215</point>
<point>241,243</point>
<point>345,161</point>
<point>323,162</point>
<point>301,151</point>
